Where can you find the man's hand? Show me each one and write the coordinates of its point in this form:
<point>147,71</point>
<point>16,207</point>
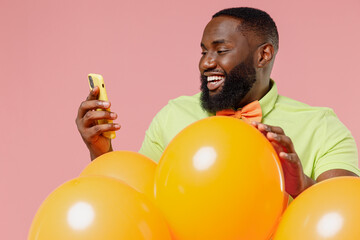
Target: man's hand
<point>295,179</point>
<point>86,122</point>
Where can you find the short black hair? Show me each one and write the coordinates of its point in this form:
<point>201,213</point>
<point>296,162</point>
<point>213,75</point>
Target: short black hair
<point>254,20</point>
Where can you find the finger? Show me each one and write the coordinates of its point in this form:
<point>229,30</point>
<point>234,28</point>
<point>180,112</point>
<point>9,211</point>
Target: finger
<point>267,128</point>
<point>263,128</point>
<point>96,130</point>
<point>283,140</point>
<point>88,105</point>
<point>278,148</point>
<point>93,93</point>
<point>289,157</point>
<point>91,116</point>
<point>292,164</point>
<point>256,125</point>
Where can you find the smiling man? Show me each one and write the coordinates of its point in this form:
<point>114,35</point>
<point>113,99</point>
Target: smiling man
<point>239,46</point>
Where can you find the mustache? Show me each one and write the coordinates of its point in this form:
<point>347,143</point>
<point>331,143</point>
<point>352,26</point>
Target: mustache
<point>214,71</point>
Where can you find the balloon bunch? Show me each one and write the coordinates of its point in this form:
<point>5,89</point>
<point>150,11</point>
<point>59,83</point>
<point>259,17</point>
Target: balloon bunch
<point>219,178</point>
<point>110,200</point>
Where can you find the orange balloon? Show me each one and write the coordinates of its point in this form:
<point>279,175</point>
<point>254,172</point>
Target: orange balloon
<point>220,178</point>
<point>133,168</point>
<point>328,210</point>
<point>94,208</point>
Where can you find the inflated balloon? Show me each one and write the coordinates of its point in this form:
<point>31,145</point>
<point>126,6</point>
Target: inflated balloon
<point>220,178</point>
<point>133,168</point>
<point>328,210</point>
<point>95,208</point>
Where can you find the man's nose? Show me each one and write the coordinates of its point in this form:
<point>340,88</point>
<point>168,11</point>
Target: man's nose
<point>209,62</point>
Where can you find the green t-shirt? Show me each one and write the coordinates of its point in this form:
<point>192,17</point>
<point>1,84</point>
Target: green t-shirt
<point>321,141</point>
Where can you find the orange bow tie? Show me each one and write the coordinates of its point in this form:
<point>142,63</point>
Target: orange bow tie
<point>250,112</point>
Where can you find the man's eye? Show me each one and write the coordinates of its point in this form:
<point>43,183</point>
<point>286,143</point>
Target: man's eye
<point>203,53</point>
<point>222,51</point>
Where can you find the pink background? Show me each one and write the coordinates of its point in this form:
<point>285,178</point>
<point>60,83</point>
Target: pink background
<point>148,53</point>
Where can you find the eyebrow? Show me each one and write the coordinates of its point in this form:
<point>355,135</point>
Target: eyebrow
<point>219,41</point>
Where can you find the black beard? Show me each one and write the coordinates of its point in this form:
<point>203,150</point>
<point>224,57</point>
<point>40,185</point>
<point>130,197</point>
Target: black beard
<point>237,84</point>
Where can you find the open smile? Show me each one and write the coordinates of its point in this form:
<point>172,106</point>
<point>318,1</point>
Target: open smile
<point>214,82</point>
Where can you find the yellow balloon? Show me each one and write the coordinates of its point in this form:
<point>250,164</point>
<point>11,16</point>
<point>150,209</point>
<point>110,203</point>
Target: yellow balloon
<point>328,210</point>
<point>220,178</point>
<point>93,208</point>
<point>133,168</point>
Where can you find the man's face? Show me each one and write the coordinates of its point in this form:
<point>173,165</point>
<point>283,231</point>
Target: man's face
<point>226,65</point>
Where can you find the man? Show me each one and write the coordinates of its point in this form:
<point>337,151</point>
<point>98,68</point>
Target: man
<point>239,46</point>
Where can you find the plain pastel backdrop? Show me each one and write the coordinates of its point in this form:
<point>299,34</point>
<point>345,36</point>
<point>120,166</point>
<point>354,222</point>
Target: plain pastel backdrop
<point>148,53</point>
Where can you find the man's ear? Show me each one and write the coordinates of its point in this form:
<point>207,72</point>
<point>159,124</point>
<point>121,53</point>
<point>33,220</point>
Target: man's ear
<point>265,53</point>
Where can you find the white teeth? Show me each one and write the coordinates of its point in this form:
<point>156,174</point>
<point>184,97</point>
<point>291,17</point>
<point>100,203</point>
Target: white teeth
<point>214,78</point>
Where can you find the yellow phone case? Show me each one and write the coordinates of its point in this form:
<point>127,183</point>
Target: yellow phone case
<point>98,80</point>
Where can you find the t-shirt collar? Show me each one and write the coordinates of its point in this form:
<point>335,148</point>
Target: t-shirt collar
<point>268,101</point>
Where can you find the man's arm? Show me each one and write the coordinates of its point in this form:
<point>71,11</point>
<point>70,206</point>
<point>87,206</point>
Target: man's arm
<point>335,173</point>
<point>295,179</point>
<point>90,131</point>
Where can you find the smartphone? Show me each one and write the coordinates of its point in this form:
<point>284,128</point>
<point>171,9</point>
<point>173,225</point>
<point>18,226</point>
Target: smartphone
<point>98,80</point>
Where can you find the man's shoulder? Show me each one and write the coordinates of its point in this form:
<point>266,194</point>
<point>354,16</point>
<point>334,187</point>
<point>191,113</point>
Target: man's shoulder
<point>295,106</point>
<point>186,104</point>
<point>176,115</point>
<point>184,107</point>
<point>186,99</point>
<point>292,114</point>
